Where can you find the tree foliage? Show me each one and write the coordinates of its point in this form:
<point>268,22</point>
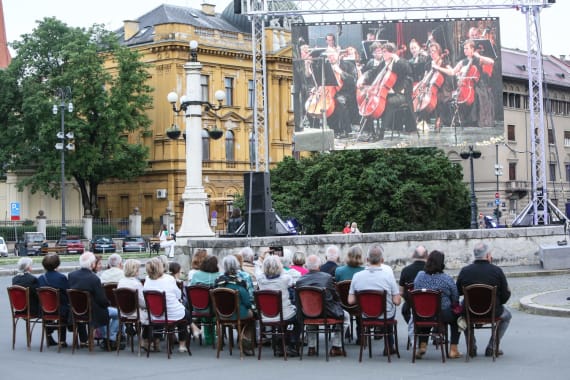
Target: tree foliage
<point>383,190</point>
<point>109,95</point>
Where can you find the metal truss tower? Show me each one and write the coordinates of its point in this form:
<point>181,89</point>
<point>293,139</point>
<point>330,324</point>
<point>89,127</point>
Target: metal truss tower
<point>260,11</point>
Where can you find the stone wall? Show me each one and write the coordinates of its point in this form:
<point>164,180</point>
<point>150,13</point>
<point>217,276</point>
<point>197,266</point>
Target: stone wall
<point>511,246</point>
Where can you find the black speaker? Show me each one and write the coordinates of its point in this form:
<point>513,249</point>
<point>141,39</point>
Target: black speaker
<point>257,186</point>
<point>237,7</point>
<point>262,223</point>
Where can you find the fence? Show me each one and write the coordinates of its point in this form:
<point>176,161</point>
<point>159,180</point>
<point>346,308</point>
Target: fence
<point>115,228</point>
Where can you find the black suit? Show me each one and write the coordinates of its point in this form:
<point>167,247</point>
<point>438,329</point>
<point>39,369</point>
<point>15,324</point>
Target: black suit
<point>28,280</point>
<point>324,280</point>
<point>85,279</point>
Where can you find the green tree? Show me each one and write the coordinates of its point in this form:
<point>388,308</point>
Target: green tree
<point>109,94</point>
<point>382,190</point>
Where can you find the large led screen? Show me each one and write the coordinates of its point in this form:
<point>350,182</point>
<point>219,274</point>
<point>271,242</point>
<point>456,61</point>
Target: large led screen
<point>405,83</point>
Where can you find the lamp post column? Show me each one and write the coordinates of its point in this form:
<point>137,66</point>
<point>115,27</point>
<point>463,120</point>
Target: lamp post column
<point>63,224</point>
<point>195,217</point>
<point>473,198</point>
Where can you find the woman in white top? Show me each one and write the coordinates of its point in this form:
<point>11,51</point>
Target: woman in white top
<point>131,281</point>
<point>275,279</point>
<point>166,241</point>
<point>158,280</point>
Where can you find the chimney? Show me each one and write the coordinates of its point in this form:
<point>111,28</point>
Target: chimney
<point>209,9</point>
<point>131,28</point>
<point>4,52</point>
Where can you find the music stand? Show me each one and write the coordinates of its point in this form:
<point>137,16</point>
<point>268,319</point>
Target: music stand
<point>485,48</point>
<point>366,46</point>
<point>319,64</point>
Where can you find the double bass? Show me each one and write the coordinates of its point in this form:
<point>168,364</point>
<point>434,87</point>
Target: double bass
<point>372,99</point>
<point>321,100</point>
<point>468,76</point>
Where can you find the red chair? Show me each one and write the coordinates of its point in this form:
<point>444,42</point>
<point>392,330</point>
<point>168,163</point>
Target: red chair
<point>428,320</point>
<point>270,305</point>
<point>127,301</point>
<point>19,297</point>
<point>226,306</point>
<point>313,311</point>
<point>51,315</point>
<point>479,307</point>
<point>80,309</point>
<point>108,288</point>
<point>159,321</point>
<point>202,311</point>
<point>374,316</point>
<point>342,289</point>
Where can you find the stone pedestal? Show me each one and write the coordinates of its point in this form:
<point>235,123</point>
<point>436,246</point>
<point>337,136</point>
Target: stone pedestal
<point>554,256</point>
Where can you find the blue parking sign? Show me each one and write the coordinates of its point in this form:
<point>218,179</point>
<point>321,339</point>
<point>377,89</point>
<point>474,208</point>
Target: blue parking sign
<point>15,211</point>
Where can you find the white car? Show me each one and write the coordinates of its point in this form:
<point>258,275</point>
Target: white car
<point>3,248</point>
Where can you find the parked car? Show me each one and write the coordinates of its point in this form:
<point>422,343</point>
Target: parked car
<point>103,244</point>
<point>134,244</point>
<point>72,244</point>
<point>3,247</point>
<point>30,244</point>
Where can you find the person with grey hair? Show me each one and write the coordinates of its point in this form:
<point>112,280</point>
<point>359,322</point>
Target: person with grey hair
<point>378,276</point>
<point>85,279</point>
<point>408,275</point>
<point>324,280</point>
<point>482,271</point>
<point>231,279</point>
<point>131,281</point>
<point>287,261</point>
<point>248,265</point>
<point>114,271</point>
<point>332,255</point>
<point>276,279</point>
<point>25,278</point>
<point>299,263</point>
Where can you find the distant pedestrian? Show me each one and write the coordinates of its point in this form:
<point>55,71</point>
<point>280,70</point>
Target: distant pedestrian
<point>354,228</point>
<point>346,229</point>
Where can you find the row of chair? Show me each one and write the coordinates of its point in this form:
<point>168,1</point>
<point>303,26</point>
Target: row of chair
<point>221,306</point>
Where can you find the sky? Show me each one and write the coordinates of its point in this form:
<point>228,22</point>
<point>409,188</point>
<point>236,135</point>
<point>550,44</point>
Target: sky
<point>21,15</point>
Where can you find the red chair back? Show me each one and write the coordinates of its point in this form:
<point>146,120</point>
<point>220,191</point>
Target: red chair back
<point>372,303</point>
<point>49,300</point>
<point>226,303</point>
<point>80,304</point>
<point>426,303</point>
<point>156,305</point>
<point>19,300</point>
<point>127,300</point>
<point>311,300</point>
<point>198,296</point>
<point>109,287</point>
<point>269,303</point>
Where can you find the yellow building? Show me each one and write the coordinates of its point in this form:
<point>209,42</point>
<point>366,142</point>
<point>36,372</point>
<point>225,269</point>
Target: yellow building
<point>162,38</point>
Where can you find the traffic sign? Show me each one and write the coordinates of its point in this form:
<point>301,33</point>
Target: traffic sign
<point>497,195</point>
<point>15,211</point>
<point>497,202</point>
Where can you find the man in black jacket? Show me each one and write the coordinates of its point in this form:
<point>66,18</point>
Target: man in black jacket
<point>332,302</point>
<point>85,279</point>
<point>481,271</point>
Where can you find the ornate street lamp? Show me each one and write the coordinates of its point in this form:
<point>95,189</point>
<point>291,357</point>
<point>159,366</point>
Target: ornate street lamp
<point>471,155</point>
<point>63,94</point>
<point>195,215</point>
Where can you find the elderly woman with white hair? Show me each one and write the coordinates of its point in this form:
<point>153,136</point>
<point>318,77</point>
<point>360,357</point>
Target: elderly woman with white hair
<point>276,279</point>
<point>25,278</point>
<point>231,279</point>
<point>131,281</point>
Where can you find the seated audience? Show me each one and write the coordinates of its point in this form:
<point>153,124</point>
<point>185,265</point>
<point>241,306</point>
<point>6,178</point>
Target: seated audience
<point>197,259</point>
<point>114,271</point>
<point>275,279</point>
<point>332,255</point>
<point>131,281</point>
<point>354,264</point>
<point>208,272</point>
<point>158,280</point>
<point>299,263</point>
<point>231,279</point>
<point>432,277</point>
<point>54,279</point>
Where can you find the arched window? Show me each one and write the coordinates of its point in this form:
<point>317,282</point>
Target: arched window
<point>230,146</point>
<point>252,149</point>
<point>205,145</point>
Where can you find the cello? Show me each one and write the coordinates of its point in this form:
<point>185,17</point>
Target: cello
<point>425,92</point>
<point>372,100</point>
<point>468,76</point>
<point>321,100</point>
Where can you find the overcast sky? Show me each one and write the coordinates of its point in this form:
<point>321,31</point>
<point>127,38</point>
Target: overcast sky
<point>21,15</point>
